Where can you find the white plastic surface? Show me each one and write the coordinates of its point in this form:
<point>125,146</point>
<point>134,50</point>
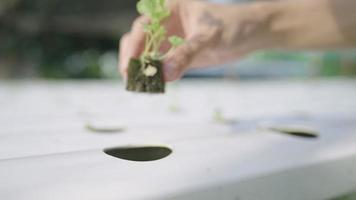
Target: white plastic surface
<point>46,153</point>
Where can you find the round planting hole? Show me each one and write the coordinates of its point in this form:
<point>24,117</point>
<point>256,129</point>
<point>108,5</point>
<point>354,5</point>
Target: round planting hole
<point>299,132</point>
<point>104,128</point>
<point>141,154</point>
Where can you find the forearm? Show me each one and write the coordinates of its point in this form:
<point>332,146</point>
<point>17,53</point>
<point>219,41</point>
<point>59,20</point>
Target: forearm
<point>297,24</point>
<point>314,24</point>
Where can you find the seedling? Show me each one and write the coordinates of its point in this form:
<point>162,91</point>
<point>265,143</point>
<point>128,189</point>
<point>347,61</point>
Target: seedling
<point>219,117</point>
<point>145,74</point>
<point>174,108</point>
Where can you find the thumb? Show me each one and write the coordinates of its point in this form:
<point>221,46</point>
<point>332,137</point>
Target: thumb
<point>180,59</point>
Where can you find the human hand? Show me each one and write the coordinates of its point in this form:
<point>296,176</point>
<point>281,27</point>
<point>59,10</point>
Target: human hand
<point>214,34</point>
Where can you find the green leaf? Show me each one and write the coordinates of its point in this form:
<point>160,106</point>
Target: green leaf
<point>152,27</point>
<point>176,41</point>
<point>145,7</point>
<point>155,9</point>
<point>146,28</point>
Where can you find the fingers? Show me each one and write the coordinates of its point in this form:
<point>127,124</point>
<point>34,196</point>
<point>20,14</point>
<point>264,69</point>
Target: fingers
<point>123,55</point>
<point>177,62</point>
<point>132,44</point>
<point>137,37</point>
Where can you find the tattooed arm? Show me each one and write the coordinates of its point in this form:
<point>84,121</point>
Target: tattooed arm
<point>220,33</point>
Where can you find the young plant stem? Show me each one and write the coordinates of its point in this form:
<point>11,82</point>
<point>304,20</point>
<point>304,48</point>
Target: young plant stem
<point>156,43</point>
<point>145,74</point>
<point>159,42</point>
<point>149,42</point>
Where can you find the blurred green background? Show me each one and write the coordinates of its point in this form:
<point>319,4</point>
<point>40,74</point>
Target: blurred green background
<point>60,39</point>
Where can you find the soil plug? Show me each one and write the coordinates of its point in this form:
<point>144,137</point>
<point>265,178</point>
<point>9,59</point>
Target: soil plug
<point>145,74</point>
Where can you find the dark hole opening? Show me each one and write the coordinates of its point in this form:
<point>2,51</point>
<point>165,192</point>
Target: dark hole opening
<point>296,132</point>
<point>139,153</point>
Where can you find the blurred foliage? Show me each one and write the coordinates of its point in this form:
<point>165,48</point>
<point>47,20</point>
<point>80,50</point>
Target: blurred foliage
<point>62,38</point>
<point>351,196</point>
<point>58,55</point>
<point>327,63</point>
<point>79,39</point>
<point>278,55</point>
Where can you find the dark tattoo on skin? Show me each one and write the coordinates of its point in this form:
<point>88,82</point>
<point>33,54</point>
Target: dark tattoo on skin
<point>214,29</point>
<point>208,19</point>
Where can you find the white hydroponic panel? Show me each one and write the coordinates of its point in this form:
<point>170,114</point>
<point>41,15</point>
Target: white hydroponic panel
<point>220,133</point>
